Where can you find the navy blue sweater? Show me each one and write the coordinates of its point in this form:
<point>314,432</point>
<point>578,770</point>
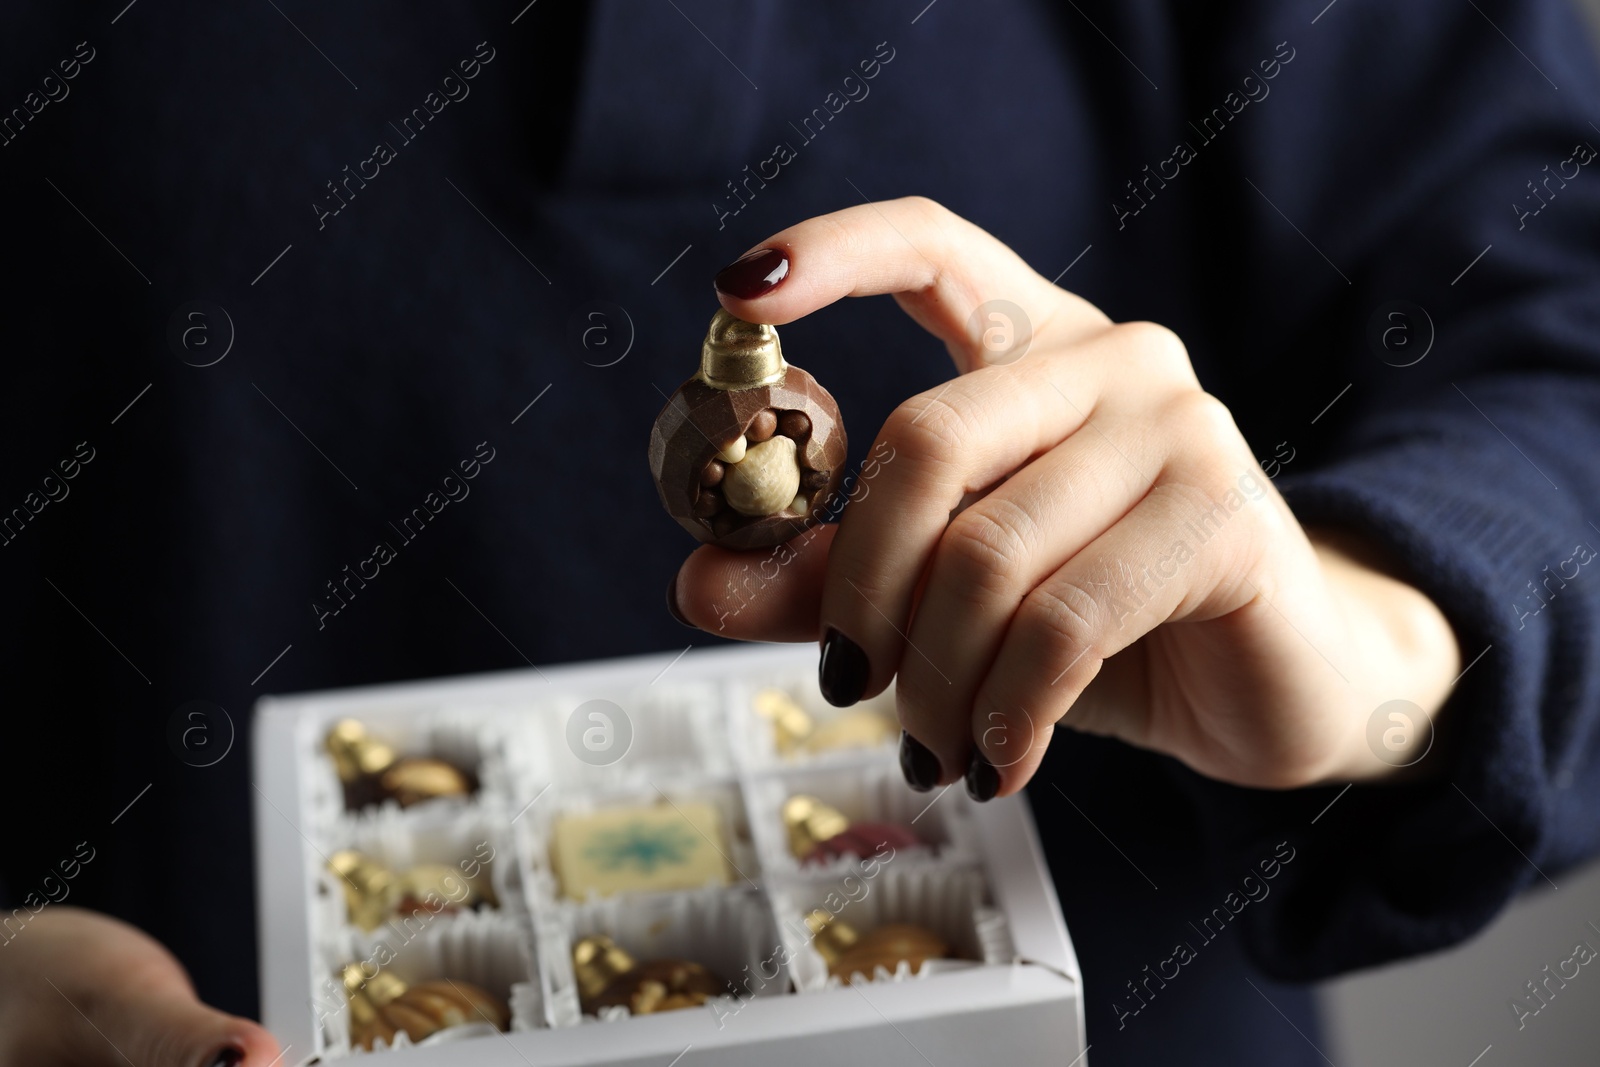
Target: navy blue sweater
<point>1374,226</point>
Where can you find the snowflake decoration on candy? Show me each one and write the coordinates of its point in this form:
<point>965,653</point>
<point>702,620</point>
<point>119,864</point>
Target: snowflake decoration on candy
<point>643,847</point>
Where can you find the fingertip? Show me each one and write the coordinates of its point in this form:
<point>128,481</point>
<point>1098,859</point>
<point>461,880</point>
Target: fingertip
<point>1012,761</point>
<point>673,607</point>
<point>244,1044</point>
<point>843,670</point>
<point>763,285</point>
<point>983,780</point>
<point>759,595</point>
<point>754,274</point>
<point>919,764</point>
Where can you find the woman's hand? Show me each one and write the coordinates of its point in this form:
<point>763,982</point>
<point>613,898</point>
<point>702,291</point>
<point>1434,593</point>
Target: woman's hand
<point>82,989</point>
<point>1122,566</point>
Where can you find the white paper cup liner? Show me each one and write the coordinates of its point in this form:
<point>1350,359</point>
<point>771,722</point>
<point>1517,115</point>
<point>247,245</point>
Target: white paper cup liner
<point>490,950</point>
<point>948,900</point>
<point>608,738</point>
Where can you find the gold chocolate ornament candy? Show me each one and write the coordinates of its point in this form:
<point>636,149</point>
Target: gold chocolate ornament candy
<point>432,888</point>
<point>819,832</point>
<point>854,728</point>
<point>663,985</point>
<point>886,947</point>
<point>750,451</point>
<point>609,977</point>
<point>596,962</point>
<point>373,893</point>
<point>371,771</point>
<point>795,731</point>
<point>382,1006</point>
<point>849,953</point>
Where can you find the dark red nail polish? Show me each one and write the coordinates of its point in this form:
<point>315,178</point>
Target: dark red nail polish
<point>228,1057</point>
<point>672,604</point>
<point>983,781</point>
<point>918,764</point>
<point>753,275</point>
<point>842,672</point>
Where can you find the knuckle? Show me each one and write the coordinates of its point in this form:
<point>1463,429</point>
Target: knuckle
<point>1065,614</point>
<point>1202,416</point>
<point>929,428</point>
<point>859,592</point>
<point>990,544</point>
<point>847,241</point>
<point>1176,501</point>
<point>925,208</point>
<point>1156,350</point>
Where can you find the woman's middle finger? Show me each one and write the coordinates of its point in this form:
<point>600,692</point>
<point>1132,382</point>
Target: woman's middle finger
<point>993,555</point>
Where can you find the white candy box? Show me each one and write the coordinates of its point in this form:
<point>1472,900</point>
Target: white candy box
<point>552,742</point>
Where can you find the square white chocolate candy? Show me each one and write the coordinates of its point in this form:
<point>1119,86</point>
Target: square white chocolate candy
<point>654,849</point>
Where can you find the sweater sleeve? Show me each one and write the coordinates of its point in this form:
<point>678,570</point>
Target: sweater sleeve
<point>1425,152</point>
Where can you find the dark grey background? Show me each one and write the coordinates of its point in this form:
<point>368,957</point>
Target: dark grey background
<point>1445,1010</point>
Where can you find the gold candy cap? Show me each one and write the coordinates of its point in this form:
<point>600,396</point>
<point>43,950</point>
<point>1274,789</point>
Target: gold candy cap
<point>377,990</point>
<point>740,355</point>
<point>810,822</point>
<point>356,753</point>
<point>368,886</point>
<point>791,725</point>
<point>596,962</point>
<point>832,937</point>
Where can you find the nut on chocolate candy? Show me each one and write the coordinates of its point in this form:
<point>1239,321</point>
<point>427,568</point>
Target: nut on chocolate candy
<point>750,451</point>
<point>609,977</point>
<point>662,985</point>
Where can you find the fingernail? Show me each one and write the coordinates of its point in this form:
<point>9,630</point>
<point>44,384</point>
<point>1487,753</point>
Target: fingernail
<point>983,781</point>
<point>842,671</point>
<point>672,604</point>
<point>753,275</point>
<point>228,1057</point>
<point>918,764</point>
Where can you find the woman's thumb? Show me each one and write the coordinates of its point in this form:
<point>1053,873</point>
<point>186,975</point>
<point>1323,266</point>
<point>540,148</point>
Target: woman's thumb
<point>167,1027</point>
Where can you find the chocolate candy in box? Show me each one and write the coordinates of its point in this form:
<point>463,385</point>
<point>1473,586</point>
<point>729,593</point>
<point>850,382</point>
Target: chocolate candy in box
<point>626,862</point>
